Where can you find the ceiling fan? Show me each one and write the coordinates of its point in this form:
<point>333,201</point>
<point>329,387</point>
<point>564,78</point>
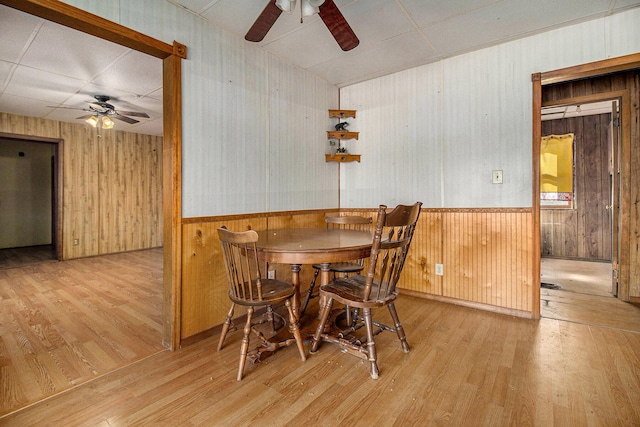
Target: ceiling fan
<point>102,112</point>
<point>327,9</point>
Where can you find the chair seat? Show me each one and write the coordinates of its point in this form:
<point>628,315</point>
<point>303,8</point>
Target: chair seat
<point>350,291</point>
<point>273,292</point>
<point>342,267</point>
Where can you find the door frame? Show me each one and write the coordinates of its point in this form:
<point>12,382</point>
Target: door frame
<point>171,55</point>
<point>593,69</point>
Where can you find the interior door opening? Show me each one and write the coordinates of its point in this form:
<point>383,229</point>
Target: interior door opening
<point>29,201</point>
<point>579,193</point>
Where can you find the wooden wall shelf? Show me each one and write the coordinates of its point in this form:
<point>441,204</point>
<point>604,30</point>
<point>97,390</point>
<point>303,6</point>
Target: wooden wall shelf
<point>342,113</point>
<point>342,158</point>
<point>338,134</point>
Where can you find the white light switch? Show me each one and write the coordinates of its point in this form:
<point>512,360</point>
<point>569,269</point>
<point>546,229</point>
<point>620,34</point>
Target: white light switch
<point>496,177</point>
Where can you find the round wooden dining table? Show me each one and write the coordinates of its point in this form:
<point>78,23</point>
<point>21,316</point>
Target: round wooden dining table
<point>298,246</point>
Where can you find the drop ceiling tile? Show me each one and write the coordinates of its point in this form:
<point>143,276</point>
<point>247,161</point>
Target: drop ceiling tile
<point>17,31</point>
<point>148,127</point>
<point>425,12</point>
<point>375,21</point>
<point>625,4</point>
<point>37,84</point>
<point>506,20</point>
<point>23,106</point>
<point>402,52</point>
<point>151,106</point>
<point>197,6</point>
<point>237,16</point>
<point>70,53</point>
<point>313,44</point>
<point>6,69</point>
<point>135,73</point>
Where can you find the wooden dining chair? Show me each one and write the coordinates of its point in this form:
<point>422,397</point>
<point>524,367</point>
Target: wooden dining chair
<point>392,239</point>
<point>248,288</point>
<point>344,268</point>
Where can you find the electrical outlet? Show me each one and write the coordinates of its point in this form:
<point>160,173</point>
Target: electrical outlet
<point>76,242</point>
<point>439,270</point>
<point>496,177</point>
<point>271,274</point>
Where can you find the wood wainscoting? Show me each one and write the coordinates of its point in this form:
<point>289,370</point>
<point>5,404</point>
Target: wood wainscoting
<point>487,257</point>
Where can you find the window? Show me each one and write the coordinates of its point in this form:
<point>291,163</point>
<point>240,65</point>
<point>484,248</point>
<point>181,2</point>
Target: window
<point>556,171</point>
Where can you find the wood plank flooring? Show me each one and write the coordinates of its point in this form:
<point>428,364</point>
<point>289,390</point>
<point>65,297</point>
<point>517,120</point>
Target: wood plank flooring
<point>64,323</point>
<point>584,277</point>
<point>467,367</point>
<point>16,257</point>
<point>584,295</point>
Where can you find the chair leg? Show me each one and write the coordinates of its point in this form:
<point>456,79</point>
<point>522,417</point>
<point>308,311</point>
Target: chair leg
<point>399,328</point>
<point>371,344</point>
<point>271,319</point>
<point>225,326</point>
<point>244,348</point>
<point>310,291</point>
<point>324,316</point>
<point>294,326</point>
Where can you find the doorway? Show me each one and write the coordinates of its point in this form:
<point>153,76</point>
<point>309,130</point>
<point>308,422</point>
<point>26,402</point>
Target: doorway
<point>29,200</point>
<point>579,237</point>
<point>578,222</point>
<point>171,56</point>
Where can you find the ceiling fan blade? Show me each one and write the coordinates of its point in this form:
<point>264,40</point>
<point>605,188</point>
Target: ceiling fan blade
<point>263,24</point>
<point>84,117</point>
<point>125,119</point>
<point>68,108</point>
<point>338,26</point>
<point>132,113</point>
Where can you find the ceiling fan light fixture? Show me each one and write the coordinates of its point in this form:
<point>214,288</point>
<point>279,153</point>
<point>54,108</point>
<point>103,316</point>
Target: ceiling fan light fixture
<point>107,123</point>
<point>93,121</point>
<point>311,7</point>
<point>286,5</point>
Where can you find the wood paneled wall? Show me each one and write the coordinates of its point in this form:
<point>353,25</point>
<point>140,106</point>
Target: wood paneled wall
<point>585,231</point>
<point>112,186</point>
<point>486,256</point>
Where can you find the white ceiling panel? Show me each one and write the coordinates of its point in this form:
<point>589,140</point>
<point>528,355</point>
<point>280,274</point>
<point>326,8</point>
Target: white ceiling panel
<point>17,31</point>
<point>134,73</point>
<point>42,85</point>
<point>426,12</point>
<point>508,20</point>
<point>23,106</point>
<point>236,16</point>
<point>312,44</point>
<point>399,53</point>
<point>6,69</point>
<point>64,51</point>
<point>375,21</point>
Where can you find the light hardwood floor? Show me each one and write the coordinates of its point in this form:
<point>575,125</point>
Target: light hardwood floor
<point>65,323</point>
<point>467,367</point>
<point>16,257</point>
<point>584,295</point>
